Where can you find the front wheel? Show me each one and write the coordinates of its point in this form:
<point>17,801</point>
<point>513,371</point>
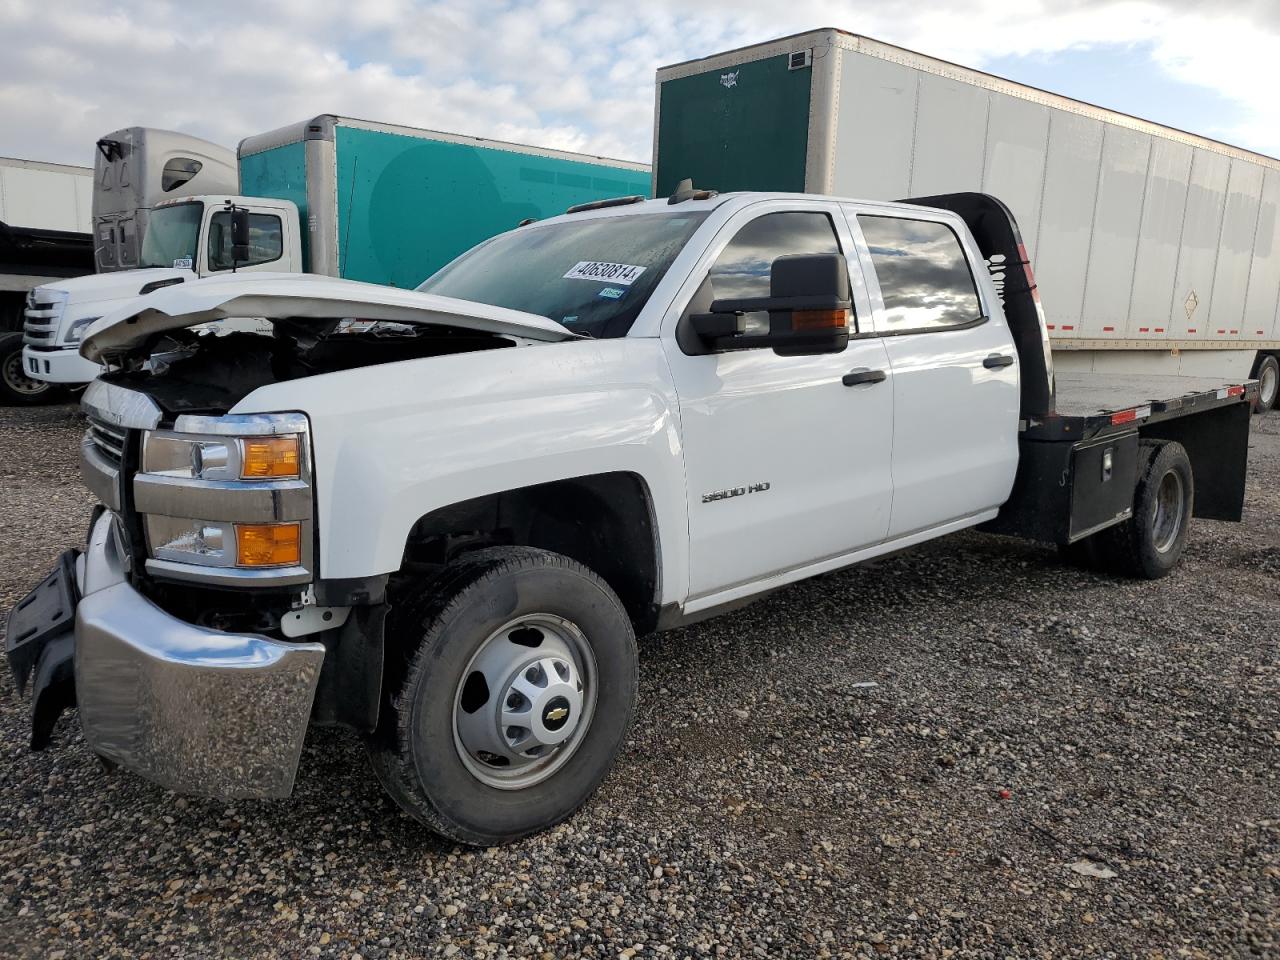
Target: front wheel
<point>16,388</point>
<point>512,698</point>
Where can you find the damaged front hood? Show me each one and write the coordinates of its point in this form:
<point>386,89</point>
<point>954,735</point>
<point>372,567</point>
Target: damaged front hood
<point>298,296</point>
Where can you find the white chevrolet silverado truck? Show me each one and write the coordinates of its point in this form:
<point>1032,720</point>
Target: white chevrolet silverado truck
<point>442,517</point>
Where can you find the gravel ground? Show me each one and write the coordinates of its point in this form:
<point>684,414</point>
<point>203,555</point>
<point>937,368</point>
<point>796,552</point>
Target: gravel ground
<point>1050,764</point>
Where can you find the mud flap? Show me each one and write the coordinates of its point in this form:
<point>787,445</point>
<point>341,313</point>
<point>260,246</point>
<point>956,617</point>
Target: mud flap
<point>40,646</point>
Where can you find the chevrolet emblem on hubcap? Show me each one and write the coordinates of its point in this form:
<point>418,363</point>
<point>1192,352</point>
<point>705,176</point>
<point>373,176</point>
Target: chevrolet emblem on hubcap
<point>556,713</point>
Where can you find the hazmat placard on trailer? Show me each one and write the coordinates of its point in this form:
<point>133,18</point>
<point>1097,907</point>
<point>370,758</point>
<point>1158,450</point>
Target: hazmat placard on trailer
<point>623,273</point>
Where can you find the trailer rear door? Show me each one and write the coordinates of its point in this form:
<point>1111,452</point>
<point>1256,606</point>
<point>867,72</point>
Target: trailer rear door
<point>742,127</point>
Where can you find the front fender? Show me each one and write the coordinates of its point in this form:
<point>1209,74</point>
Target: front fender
<point>397,441</point>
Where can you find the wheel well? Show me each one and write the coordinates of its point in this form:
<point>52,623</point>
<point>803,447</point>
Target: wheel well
<point>1217,442</point>
<point>604,521</point>
<point>1257,361</point>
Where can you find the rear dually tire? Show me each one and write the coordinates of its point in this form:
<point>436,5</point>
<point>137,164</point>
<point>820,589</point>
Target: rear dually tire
<point>1149,544</point>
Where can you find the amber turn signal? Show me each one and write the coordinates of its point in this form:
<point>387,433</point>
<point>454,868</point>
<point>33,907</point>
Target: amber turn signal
<point>819,319</point>
<point>270,458</point>
<point>268,544</point>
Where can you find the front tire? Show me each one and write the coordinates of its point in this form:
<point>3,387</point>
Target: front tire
<point>16,388</point>
<point>1149,544</point>
<point>513,697</point>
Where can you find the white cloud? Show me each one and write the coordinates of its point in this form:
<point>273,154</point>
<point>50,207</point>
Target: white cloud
<point>566,73</point>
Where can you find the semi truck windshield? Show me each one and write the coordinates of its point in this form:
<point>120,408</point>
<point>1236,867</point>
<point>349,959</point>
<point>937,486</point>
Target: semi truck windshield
<point>593,276</point>
<point>172,232</point>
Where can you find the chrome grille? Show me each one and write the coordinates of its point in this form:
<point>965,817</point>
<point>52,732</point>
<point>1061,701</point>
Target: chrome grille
<point>40,327</point>
<point>108,439</point>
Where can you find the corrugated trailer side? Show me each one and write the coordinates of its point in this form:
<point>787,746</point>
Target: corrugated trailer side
<point>1155,250</point>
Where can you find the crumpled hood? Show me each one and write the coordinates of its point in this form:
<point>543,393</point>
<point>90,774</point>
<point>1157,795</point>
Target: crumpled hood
<point>297,296</point>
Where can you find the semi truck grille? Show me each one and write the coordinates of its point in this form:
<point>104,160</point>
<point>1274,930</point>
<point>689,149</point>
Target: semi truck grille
<point>40,326</point>
<point>109,440</point>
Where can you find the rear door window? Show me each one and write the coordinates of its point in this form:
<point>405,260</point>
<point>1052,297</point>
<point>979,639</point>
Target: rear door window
<point>924,276</point>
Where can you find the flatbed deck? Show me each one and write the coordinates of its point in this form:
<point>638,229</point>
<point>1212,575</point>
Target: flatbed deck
<point>1087,405</point>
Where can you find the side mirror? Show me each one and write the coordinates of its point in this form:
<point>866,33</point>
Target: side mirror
<point>239,235</point>
<point>808,307</point>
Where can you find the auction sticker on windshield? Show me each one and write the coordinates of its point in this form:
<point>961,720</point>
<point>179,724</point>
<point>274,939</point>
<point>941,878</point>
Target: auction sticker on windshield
<point>623,273</point>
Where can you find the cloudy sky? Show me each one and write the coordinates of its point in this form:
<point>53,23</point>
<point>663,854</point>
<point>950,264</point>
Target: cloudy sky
<point>578,74</point>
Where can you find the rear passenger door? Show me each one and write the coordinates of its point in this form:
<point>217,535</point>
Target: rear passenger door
<point>955,371</point>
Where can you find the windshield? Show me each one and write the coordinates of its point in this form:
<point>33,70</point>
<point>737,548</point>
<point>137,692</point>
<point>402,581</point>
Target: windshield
<point>592,275</point>
<point>170,240</point>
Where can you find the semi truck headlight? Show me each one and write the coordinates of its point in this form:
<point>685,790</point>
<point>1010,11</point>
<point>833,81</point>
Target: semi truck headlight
<point>77,329</point>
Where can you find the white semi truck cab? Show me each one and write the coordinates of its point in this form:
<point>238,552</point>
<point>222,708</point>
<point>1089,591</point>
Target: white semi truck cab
<point>185,239</point>
<point>441,517</point>
<point>332,195</point>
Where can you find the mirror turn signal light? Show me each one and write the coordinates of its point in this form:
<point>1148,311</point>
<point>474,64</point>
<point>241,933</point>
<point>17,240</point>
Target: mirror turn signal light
<point>813,320</point>
<point>268,544</point>
<point>270,458</point>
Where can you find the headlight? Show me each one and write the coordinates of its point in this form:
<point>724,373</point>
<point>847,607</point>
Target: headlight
<point>228,499</point>
<point>78,328</point>
<point>170,454</point>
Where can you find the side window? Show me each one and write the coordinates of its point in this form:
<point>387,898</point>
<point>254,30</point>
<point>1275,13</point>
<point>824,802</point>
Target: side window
<point>178,171</point>
<point>742,269</point>
<point>924,276</point>
<point>266,240</point>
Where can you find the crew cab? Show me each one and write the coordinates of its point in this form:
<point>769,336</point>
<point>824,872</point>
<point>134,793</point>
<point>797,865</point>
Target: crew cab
<point>441,517</point>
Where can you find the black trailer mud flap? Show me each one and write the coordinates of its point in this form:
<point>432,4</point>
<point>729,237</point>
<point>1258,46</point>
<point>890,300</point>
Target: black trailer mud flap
<point>40,644</point>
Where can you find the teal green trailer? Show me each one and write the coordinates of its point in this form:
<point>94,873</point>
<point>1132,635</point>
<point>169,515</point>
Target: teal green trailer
<point>389,204</point>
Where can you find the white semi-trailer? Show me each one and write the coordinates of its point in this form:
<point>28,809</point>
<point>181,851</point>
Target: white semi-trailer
<point>44,236</point>
<point>1156,250</point>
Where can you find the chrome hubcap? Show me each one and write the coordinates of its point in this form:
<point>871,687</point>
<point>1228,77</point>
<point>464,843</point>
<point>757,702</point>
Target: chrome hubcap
<point>16,379</point>
<point>1167,523</point>
<point>525,701</point>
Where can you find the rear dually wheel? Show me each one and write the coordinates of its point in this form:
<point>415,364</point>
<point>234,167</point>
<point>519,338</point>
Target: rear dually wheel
<point>1150,543</point>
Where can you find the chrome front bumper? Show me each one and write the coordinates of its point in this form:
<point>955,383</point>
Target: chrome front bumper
<point>195,710</point>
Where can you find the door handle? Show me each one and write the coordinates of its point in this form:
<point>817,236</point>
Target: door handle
<point>862,375</point>
<point>997,360</point>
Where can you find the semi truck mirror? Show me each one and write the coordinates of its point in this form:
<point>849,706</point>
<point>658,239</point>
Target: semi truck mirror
<point>239,235</point>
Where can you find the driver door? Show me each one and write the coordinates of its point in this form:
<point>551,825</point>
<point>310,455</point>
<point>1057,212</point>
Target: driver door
<point>785,464</point>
